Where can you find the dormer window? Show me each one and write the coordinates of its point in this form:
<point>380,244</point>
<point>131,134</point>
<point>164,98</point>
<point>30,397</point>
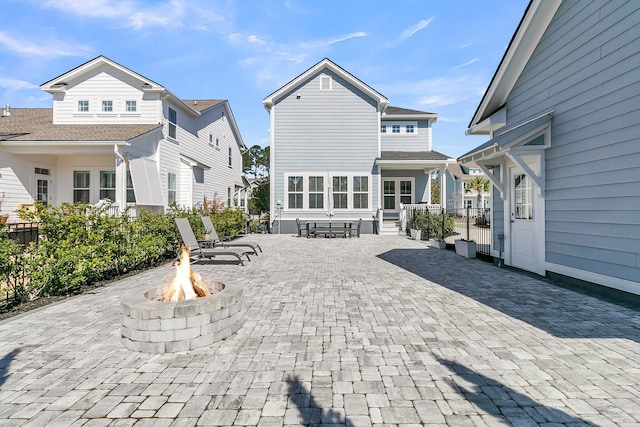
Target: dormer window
<point>325,83</point>
<point>83,106</point>
<point>107,106</point>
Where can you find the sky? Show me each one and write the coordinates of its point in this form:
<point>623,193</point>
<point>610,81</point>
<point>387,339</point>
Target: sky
<point>436,56</point>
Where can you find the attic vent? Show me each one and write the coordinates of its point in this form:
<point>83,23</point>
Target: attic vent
<point>325,83</point>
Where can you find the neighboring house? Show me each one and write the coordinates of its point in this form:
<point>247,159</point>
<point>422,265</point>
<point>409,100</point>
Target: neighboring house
<point>459,194</point>
<point>114,134</point>
<point>340,152</point>
<point>562,112</point>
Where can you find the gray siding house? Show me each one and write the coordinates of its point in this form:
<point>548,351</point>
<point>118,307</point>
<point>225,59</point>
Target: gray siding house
<point>339,152</point>
<point>562,112</point>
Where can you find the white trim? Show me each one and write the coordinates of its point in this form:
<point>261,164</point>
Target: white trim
<point>327,191</point>
<point>597,278</point>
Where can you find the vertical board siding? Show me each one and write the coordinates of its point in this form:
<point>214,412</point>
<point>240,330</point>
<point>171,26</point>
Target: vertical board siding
<point>587,69</point>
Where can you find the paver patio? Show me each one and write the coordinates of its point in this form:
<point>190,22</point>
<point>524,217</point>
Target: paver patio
<point>372,331</point>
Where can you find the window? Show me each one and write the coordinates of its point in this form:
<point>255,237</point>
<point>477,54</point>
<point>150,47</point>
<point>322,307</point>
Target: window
<point>340,192</point>
<point>171,188</point>
<point>230,157</point>
<point>523,197</point>
<point>360,192</point>
<point>210,139</point>
<point>83,106</point>
<point>410,128</point>
<point>131,195</point>
<point>131,106</point>
<point>383,128</point>
<point>107,106</point>
<point>81,181</point>
<point>229,198</point>
<point>295,191</point>
<point>173,122</point>
<point>389,190</point>
<point>42,191</point>
<point>42,171</point>
<point>395,128</point>
<point>316,192</point>
<point>405,192</point>
<point>108,185</point>
<point>325,83</point>
<point>217,143</point>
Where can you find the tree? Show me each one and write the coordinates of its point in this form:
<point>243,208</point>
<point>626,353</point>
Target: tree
<point>480,185</point>
<point>255,161</point>
<point>259,201</point>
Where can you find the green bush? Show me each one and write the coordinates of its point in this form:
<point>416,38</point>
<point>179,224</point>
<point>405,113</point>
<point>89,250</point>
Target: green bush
<point>82,244</point>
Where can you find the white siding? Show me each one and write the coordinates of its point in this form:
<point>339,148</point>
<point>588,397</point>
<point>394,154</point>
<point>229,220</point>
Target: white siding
<point>105,83</point>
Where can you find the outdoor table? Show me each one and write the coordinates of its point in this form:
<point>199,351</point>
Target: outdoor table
<point>328,229</point>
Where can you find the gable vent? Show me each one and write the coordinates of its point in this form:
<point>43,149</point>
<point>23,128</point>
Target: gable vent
<point>325,83</point>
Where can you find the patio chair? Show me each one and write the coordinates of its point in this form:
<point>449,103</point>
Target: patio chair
<point>199,249</point>
<point>356,229</point>
<point>301,230</point>
<point>226,241</point>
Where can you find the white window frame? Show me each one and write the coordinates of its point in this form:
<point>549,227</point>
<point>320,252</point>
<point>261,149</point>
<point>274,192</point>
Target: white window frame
<point>130,190</point>
<point>308,193</point>
<point>131,106</point>
<point>400,127</point>
<point>327,191</point>
<point>395,128</point>
<point>410,126</point>
<point>383,128</point>
<point>172,191</point>
<point>230,157</point>
<point>107,106</point>
<point>82,103</point>
<point>354,192</point>
<point>172,130</point>
<point>100,175</point>
<point>87,188</point>
<point>337,192</point>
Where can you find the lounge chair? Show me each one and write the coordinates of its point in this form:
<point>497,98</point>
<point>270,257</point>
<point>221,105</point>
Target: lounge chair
<point>199,249</point>
<point>216,241</point>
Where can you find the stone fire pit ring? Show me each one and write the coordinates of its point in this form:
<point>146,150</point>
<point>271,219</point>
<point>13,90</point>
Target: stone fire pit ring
<point>151,325</point>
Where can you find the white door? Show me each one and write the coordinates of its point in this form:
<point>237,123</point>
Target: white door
<point>396,191</point>
<point>524,251</point>
<point>43,186</point>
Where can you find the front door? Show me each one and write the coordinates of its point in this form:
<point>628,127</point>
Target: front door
<point>43,186</point>
<point>524,250</point>
<point>396,191</point>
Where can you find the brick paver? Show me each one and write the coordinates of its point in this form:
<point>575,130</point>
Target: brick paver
<point>373,331</point>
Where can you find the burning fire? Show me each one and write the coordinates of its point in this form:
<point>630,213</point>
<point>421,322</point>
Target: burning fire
<point>187,284</point>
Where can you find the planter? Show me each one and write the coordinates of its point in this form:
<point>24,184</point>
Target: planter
<point>440,244</point>
<point>466,248</point>
<point>416,234</point>
<point>4,219</point>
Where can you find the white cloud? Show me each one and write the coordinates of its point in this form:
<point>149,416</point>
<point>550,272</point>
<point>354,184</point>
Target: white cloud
<point>410,32</point>
<point>474,60</point>
<point>15,84</point>
<point>255,39</point>
<point>45,46</point>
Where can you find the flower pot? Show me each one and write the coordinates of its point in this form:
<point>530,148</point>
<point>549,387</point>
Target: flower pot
<point>466,248</point>
<point>416,234</point>
<point>4,219</point>
<point>440,244</point>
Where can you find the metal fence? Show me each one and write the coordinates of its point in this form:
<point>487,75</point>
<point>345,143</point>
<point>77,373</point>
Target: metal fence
<point>472,224</point>
<point>22,233</point>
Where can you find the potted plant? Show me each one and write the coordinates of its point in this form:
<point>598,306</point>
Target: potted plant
<point>437,225</point>
<point>466,248</point>
<point>419,224</point>
<point>3,217</point>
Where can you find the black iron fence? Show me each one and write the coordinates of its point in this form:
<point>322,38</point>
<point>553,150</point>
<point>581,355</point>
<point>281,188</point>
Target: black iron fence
<point>472,224</point>
<point>22,233</point>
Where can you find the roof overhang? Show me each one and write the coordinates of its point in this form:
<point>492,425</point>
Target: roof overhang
<point>425,116</point>
<point>518,135</point>
<point>331,66</point>
<point>535,21</point>
<point>413,164</point>
<point>193,162</point>
<point>61,147</point>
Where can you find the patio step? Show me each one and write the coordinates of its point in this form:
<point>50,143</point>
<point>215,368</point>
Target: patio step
<point>390,228</point>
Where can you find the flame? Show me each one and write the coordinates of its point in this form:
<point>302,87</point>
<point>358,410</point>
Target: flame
<point>187,284</point>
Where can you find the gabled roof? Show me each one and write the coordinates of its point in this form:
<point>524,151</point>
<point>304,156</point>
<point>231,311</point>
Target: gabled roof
<point>202,104</point>
<point>391,113</point>
<point>36,124</point>
<point>325,64</point>
<point>535,21</point>
<point>58,84</point>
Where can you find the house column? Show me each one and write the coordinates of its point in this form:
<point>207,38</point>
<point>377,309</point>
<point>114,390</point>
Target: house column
<point>443,187</point>
<point>121,179</point>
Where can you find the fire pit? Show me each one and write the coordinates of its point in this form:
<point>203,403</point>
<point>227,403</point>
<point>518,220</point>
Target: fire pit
<point>182,316</point>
